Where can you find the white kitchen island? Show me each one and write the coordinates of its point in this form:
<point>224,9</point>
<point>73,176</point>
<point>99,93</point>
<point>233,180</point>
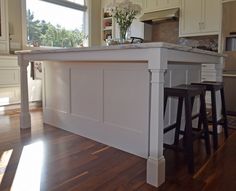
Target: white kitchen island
<point>114,94</point>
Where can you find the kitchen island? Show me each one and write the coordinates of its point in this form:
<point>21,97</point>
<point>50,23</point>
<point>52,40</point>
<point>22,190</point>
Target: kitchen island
<point>114,95</point>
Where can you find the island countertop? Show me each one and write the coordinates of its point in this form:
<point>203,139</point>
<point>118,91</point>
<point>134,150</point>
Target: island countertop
<point>122,46</point>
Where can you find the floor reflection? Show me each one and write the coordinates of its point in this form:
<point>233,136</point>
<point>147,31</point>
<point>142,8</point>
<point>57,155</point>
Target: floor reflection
<point>4,162</point>
<point>28,173</point>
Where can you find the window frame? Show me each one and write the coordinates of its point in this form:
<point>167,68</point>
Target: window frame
<point>56,2</point>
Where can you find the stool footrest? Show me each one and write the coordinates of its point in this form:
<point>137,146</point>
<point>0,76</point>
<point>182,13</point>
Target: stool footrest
<point>168,128</point>
<point>196,133</point>
<point>218,122</point>
<point>195,116</point>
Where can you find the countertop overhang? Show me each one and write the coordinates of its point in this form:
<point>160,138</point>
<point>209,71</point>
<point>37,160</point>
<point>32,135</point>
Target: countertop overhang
<point>122,47</point>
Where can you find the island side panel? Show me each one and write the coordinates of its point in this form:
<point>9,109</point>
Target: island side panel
<point>107,102</point>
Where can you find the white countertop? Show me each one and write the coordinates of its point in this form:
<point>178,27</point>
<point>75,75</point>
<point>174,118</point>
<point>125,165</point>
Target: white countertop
<point>123,46</point>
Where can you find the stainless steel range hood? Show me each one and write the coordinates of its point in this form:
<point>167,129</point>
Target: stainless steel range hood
<point>157,16</point>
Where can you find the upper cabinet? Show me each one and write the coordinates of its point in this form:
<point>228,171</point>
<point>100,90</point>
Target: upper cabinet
<point>155,5</point>
<point>200,17</point>
<point>4,37</point>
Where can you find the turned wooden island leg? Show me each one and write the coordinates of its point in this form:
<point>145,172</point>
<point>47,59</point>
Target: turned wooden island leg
<point>25,120</point>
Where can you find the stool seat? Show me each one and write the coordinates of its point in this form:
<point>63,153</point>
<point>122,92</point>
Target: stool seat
<point>186,95</point>
<point>212,87</point>
<point>184,90</point>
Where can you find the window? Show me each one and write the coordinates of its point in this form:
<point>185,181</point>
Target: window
<point>55,23</point>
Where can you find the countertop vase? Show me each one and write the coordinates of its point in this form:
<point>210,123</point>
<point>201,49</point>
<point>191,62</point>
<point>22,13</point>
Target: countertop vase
<point>123,33</point>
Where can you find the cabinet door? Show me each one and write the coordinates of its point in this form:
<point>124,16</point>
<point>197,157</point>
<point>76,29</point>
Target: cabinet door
<point>4,37</point>
<point>168,4</point>
<point>155,5</point>
<point>190,17</point>
<point>140,2</point>
<point>150,5</point>
<point>173,3</point>
<point>200,17</point>
<point>211,16</point>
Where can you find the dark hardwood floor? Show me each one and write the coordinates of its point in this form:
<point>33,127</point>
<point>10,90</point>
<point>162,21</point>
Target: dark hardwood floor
<point>47,158</point>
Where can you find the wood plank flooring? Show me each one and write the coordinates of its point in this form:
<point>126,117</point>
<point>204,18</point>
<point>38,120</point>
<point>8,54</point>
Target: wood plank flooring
<point>47,158</point>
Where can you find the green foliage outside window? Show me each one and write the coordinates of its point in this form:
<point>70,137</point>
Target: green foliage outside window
<point>41,33</point>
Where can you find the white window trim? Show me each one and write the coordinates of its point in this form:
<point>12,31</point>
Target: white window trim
<point>24,24</point>
<point>68,4</point>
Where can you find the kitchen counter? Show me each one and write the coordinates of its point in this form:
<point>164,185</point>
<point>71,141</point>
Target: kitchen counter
<point>114,94</point>
<point>123,46</point>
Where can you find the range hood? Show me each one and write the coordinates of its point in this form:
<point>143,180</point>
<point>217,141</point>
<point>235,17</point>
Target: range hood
<point>157,16</point>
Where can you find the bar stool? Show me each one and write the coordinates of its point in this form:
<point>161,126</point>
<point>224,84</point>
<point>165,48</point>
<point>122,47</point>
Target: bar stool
<point>213,87</point>
<point>186,94</point>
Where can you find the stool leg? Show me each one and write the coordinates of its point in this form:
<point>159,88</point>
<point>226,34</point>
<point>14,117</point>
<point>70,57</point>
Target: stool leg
<point>225,121</point>
<point>178,121</point>
<point>189,135</point>
<point>165,103</point>
<point>200,120</point>
<point>203,116</point>
<point>214,120</point>
<point>192,102</point>
<point>199,126</point>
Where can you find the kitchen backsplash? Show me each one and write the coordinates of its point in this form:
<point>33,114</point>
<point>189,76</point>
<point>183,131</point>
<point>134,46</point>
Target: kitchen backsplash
<point>168,31</point>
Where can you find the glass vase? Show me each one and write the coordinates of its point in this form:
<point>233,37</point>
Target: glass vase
<point>123,34</point>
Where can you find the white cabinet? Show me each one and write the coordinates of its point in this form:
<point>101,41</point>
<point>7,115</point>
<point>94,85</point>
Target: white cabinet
<point>212,15</point>
<point>9,71</point>
<point>155,5</point>
<point>10,82</point>
<point>4,37</point>
<point>201,17</point>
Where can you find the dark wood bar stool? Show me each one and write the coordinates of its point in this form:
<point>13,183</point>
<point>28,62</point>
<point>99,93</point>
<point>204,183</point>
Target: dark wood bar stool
<point>213,87</point>
<point>186,94</point>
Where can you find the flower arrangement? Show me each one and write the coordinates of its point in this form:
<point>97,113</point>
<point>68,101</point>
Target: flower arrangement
<point>124,14</point>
